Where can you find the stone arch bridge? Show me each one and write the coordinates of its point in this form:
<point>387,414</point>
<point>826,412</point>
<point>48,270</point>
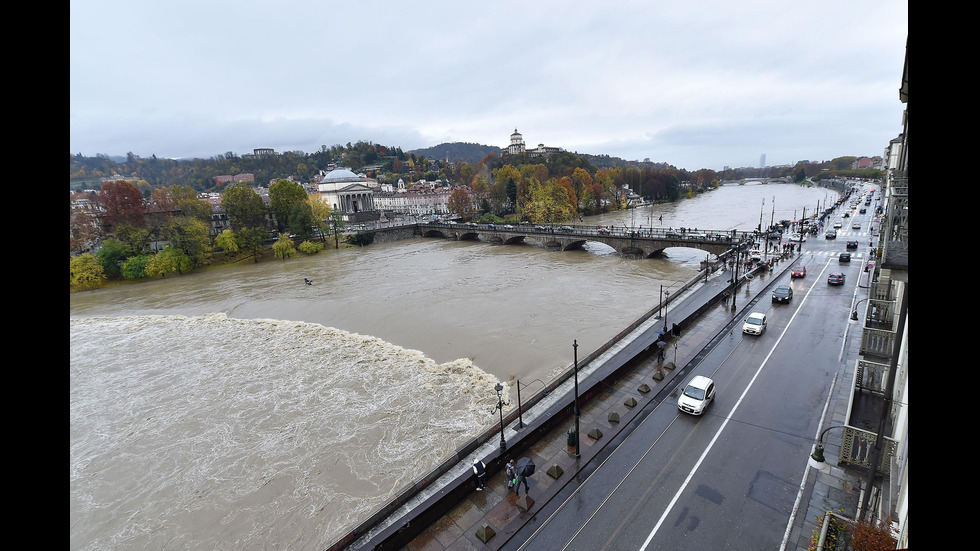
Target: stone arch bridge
<point>630,242</point>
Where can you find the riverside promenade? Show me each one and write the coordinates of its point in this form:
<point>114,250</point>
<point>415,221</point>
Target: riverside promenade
<point>618,385</point>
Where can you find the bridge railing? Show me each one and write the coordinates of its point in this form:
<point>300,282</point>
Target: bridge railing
<point>607,230</point>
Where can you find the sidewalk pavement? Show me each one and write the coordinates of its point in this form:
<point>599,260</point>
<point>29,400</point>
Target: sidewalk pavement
<point>486,520</point>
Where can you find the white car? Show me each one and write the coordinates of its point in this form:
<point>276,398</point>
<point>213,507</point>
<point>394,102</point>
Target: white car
<point>755,324</point>
<point>697,395</point>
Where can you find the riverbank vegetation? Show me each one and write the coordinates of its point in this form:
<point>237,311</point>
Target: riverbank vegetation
<point>145,217</point>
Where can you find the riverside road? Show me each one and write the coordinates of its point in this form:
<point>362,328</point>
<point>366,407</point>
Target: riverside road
<point>729,479</point>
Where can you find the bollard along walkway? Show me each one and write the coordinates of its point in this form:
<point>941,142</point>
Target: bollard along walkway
<point>617,385</point>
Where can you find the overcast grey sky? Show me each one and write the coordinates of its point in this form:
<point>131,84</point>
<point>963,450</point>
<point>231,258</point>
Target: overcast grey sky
<point>697,84</point>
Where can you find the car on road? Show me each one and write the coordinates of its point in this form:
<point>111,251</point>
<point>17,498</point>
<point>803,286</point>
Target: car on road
<point>672,235</point>
<point>831,234</point>
<point>856,226</point>
<point>603,230</point>
<point>782,293</point>
<point>798,271</point>
<point>852,244</point>
<point>566,228</point>
<point>697,395</point>
<point>847,215</point>
<point>540,228</point>
<point>863,210</point>
<point>508,227</point>
<point>838,225</point>
<point>844,257</point>
<point>755,324</point>
<point>835,278</point>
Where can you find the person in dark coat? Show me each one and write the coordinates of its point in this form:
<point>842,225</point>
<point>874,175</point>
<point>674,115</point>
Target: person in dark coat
<point>480,470</point>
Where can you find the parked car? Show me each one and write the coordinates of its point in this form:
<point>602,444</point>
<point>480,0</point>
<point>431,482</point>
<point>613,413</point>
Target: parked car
<point>831,234</point>
<point>697,395</point>
<point>835,278</point>
<point>755,324</point>
<point>852,244</point>
<point>782,293</point>
<point>798,271</point>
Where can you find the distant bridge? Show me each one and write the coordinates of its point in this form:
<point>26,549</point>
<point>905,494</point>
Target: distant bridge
<point>627,241</point>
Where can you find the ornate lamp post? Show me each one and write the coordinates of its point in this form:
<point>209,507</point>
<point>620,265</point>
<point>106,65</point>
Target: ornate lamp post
<point>500,406</point>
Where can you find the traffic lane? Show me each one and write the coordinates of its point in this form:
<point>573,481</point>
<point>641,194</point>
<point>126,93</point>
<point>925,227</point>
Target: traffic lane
<point>743,492</point>
<point>606,519</point>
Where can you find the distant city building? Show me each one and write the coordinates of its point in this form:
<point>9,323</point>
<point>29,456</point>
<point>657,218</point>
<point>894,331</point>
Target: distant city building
<point>261,152</point>
<point>228,178</point>
<point>421,199</point>
<point>349,193</point>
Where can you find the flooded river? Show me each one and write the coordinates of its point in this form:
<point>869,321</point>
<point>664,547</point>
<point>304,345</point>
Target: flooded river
<point>243,409</point>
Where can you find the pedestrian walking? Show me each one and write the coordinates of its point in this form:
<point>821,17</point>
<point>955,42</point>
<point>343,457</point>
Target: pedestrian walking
<point>480,470</point>
<point>511,474</point>
<point>521,479</point>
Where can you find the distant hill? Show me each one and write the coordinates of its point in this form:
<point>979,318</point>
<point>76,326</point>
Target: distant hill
<point>458,151</point>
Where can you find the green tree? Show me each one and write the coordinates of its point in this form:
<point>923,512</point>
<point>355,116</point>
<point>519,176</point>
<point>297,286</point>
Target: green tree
<point>283,247</point>
<point>227,241</point>
<point>320,211</point>
<point>185,200</point>
<point>111,255</point>
<point>250,241</point>
<point>284,195</point>
<point>301,221</point>
<point>136,238</point>
<point>193,237</point>
<point>244,207</point>
<point>167,261</point>
<point>550,203</point>
<point>85,271</point>
<point>309,247</point>
<point>135,266</point>
<point>337,225</point>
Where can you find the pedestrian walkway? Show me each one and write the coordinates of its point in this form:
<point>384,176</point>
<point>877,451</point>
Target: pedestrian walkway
<point>457,517</point>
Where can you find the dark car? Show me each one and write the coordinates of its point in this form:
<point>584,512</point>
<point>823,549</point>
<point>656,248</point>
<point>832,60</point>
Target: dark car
<point>831,234</point>
<point>844,257</point>
<point>783,293</point>
<point>835,278</point>
<point>852,244</point>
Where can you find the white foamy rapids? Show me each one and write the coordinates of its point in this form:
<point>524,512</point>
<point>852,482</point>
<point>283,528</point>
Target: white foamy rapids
<point>219,433</point>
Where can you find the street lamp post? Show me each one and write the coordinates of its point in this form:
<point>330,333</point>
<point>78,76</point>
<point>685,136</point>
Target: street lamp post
<point>578,412</point>
<point>666,301</point>
<point>500,406</point>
